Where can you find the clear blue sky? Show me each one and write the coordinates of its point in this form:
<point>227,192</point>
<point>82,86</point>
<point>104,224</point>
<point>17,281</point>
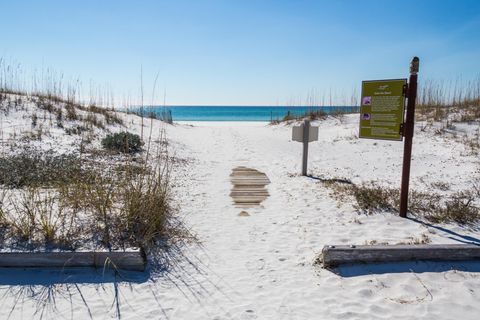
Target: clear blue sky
<point>250,52</point>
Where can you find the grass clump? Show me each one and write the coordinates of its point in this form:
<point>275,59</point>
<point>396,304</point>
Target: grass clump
<point>146,210</point>
<point>460,207</point>
<point>310,114</point>
<point>33,218</point>
<point>124,142</point>
<point>371,198</point>
<point>55,201</point>
<point>34,168</point>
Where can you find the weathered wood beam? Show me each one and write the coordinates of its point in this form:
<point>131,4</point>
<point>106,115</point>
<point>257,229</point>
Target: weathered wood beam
<point>334,255</point>
<point>133,260</point>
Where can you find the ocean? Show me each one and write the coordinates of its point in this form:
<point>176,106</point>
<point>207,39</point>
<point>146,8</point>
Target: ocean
<point>238,113</point>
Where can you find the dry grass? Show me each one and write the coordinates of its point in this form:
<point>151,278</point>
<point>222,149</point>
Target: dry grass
<point>33,168</point>
<point>311,115</point>
<point>449,102</point>
<point>369,198</point>
<point>66,202</point>
<point>91,199</point>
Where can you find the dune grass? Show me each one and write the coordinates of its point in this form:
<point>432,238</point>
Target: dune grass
<point>79,198</point>
<point>66,202</point>
<point>462,207</point>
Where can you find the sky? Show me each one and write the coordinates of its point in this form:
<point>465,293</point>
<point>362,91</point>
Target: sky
<point>242,52</point>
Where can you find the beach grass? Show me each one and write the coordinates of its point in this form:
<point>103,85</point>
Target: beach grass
<point>86,197</point>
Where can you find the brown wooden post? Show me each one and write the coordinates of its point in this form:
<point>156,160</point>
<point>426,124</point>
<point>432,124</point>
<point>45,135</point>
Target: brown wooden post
<point>408,129</point>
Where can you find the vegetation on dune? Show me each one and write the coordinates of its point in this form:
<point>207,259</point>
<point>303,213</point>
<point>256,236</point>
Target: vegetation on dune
<point>36,168</point>
<point>82,198</point>
<point>460,207</point>
<point>65,202</point>
<point>125,142</point>
<point>313,114</point>
<point>449,102</point>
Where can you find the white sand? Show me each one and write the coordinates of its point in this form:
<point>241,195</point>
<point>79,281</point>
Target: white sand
<point>261,266</point>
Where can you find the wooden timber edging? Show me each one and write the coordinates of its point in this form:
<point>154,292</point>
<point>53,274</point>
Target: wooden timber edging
<point>132,260</point>
<point>333,256</point>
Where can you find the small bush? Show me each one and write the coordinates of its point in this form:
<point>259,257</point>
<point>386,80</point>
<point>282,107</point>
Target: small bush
<point>124,142</point>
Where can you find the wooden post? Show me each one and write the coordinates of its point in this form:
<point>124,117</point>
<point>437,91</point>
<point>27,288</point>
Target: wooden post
<point>408,135</point>
<point>333,256</point>
<point>306,132</point>
<point>132,260</point>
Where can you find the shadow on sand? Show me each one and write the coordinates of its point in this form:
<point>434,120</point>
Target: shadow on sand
<point>406,267</point>
<point>173,266</point>
<point>334,180</point>
<point>51,284</point>
<point>53,276</point>
<point>452,234</point>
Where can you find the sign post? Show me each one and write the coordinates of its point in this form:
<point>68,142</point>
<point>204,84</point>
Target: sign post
<point>408,134</point>
<point>305,133</point>
<point>382,113</point>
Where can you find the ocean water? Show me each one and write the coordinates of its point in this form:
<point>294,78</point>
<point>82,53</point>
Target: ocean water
<point>238,113</point>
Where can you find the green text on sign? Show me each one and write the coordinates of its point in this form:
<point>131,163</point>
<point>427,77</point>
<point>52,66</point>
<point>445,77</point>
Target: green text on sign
<point>382,109</point>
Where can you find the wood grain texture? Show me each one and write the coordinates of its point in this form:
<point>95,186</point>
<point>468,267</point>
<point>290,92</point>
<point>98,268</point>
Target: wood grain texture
<point>333,256</point>
<point>134,260</point>
<point>248,187</point>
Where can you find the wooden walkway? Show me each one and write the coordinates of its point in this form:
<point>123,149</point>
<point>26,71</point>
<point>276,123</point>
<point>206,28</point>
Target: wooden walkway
<point>248,187</point>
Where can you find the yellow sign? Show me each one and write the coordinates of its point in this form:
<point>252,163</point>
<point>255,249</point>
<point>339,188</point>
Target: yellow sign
<point>382,109</point>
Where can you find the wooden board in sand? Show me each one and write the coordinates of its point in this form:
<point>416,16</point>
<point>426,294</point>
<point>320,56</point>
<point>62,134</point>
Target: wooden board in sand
<point>248,187</point>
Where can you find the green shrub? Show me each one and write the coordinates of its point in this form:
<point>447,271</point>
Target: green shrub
<point>124,142</point>
<point>37,168</point>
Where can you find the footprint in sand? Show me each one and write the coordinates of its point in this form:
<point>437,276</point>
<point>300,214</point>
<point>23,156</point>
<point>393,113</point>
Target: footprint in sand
<point>255,266</point>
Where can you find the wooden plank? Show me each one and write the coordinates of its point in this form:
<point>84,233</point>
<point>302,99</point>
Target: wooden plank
<point>333,256</point>
<point>246,190</point>
<point>261,192</point>
<point>262,182</point>
<point>248,200</point>
<point>260,197</point>
<point>133,260</point>
<point>246,173</point>
<point>248,186</point>
<point>249,183</point>
<point>249,177</point>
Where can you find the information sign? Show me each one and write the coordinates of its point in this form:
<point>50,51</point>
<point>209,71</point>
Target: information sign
<point>382,109</point>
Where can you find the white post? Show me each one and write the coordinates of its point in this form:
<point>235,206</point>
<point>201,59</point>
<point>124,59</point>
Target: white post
<point>306,131</point>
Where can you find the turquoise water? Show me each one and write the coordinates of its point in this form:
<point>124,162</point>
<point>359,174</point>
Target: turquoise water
<point>239,113</point>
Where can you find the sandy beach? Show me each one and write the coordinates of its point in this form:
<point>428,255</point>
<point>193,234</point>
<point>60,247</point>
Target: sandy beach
<point>262,265</point>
